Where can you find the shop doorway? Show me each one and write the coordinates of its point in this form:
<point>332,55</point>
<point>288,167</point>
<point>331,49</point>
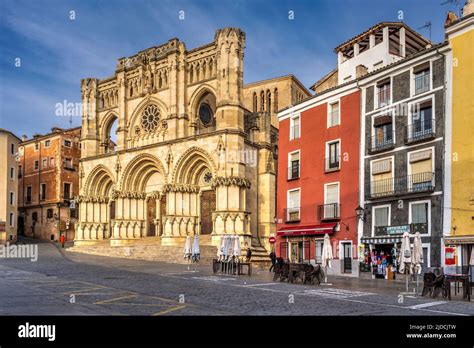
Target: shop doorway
<point>347,257</point>
<point>208,205</point>
<point>296,252</point>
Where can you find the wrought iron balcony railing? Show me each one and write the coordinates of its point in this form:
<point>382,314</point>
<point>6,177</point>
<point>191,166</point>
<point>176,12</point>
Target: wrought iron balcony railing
<point>292,214</point>
<point>294,172</point>
<point>420,130</point>
<point>332,163</point>
<point>330,211</point>
<point>381,142</point>
<point>421,182</point>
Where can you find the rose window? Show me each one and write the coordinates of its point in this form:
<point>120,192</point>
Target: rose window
<point>207,177</point>
<point>150,118</point>
<point>205,114</point>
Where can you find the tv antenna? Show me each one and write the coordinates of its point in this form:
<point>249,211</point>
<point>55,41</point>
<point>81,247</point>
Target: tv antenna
<point>456,3</point>
<point>427,26</point>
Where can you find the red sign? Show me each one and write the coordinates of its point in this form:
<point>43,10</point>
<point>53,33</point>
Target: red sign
<point>272,240</point>
<point>449,256</point>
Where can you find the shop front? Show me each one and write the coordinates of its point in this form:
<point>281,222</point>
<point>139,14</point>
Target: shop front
<point>459,255</point>
<point>302,244</point>
<point>381,255</point>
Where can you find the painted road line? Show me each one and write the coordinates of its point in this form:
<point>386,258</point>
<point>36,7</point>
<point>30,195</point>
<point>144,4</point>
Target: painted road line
<point>264,284</point>
<point>214,279</point>
<point>429,304</point>
<point>115,299</point>
<point>169,310</point>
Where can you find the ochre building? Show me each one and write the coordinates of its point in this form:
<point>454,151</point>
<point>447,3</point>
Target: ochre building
<point>195,149</point>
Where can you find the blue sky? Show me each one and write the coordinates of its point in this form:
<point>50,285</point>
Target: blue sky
<point>57,52</point>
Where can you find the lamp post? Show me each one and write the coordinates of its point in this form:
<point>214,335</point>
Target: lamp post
<point>360,213</point>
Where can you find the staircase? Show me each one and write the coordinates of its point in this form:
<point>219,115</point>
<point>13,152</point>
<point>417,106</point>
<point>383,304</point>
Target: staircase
<point>148,248</point>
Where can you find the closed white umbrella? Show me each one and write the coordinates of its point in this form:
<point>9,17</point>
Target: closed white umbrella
<point>405,257</point>
<point>237,247</point>
<point>187,247</point>
<point>327,255</point>
<point>196,254</point>
<point>220,250</point>
<point>417,256</point>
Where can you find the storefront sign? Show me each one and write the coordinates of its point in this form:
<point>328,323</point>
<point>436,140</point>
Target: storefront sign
<point>398,229</point>
<point>450,255</point>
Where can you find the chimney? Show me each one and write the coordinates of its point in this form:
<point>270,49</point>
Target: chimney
<point>24,137</point>
<point>361,70</point>
<point>450,18</point>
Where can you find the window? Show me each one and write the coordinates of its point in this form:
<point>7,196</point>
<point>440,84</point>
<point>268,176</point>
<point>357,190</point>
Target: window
<point>382,177</point>
<point>262,101</point>
<point>42,192</point>
<point>275,100</point>
<point>73,213</point>
<point>205,114</point>
<point>12,173</point>
<point>28,194</point>
<point>34,216</point>
<point>47,143</point>
<point>67,143</point>
<point>67,190</point>
<point>295,127</point>
<point>383,93</point>
<point>45,162</point>
<point>36,165</point>
<point>294,165</point>
<point>333,155</point>
<point>421,126</point>
<point>422,78</point>
<point>383,132</point>
<point>333,115</point>
<point>420,216</point>
<point>20,172</point>
<point>36,146</point>
<point>381,216</point>
<point>12,149</point>
<point>293,210</point>
<point>11,220</point>
<point>331,201</point>
<point>255,101</point>
<point>52,161</point>
<point>68,163</point>
<point>49,213</point>
<point>420,168</point>
<point>318,252</point>
<point>12,198</point>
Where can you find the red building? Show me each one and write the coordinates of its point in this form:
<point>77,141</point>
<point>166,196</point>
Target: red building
<point>318,178</point>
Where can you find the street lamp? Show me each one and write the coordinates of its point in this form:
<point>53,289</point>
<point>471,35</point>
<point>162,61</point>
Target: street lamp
<point>360,213</point>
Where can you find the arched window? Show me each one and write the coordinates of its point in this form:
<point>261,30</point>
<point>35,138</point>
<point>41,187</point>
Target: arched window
<point>269,101</point>
<point>102,102</point>
<point>131,91</point>
<point>205,114</point>
<point>275,100</point>
<point>255,101</point>
<point>262,101</point>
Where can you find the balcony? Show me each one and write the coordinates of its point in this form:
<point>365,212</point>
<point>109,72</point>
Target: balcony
<point>292,214</point>
<point>69,167</point>
<point>415,183</point>
<point>294,172</point>
<point>382,142</point>
<point>328,212</point>
<point>420,130</point>
<point>422,82</point>
<point>332,164</point>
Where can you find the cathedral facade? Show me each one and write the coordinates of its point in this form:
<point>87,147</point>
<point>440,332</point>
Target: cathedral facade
<point>195,150</point>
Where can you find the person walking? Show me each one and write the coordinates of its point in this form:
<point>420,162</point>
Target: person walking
<point>62,240</point>
<point>249,255</point>
<point>273,257</point>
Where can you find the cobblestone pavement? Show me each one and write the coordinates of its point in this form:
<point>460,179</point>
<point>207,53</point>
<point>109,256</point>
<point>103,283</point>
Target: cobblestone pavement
<point>66,283</point>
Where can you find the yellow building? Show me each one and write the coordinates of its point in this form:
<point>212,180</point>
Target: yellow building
<point>8,186</point>
<point>459,181</point>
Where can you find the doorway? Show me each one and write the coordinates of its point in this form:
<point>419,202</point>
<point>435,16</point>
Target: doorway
<point>208,206</point>
<point>296,252</point>
<point>347,257</point>
<point>150,218</point>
